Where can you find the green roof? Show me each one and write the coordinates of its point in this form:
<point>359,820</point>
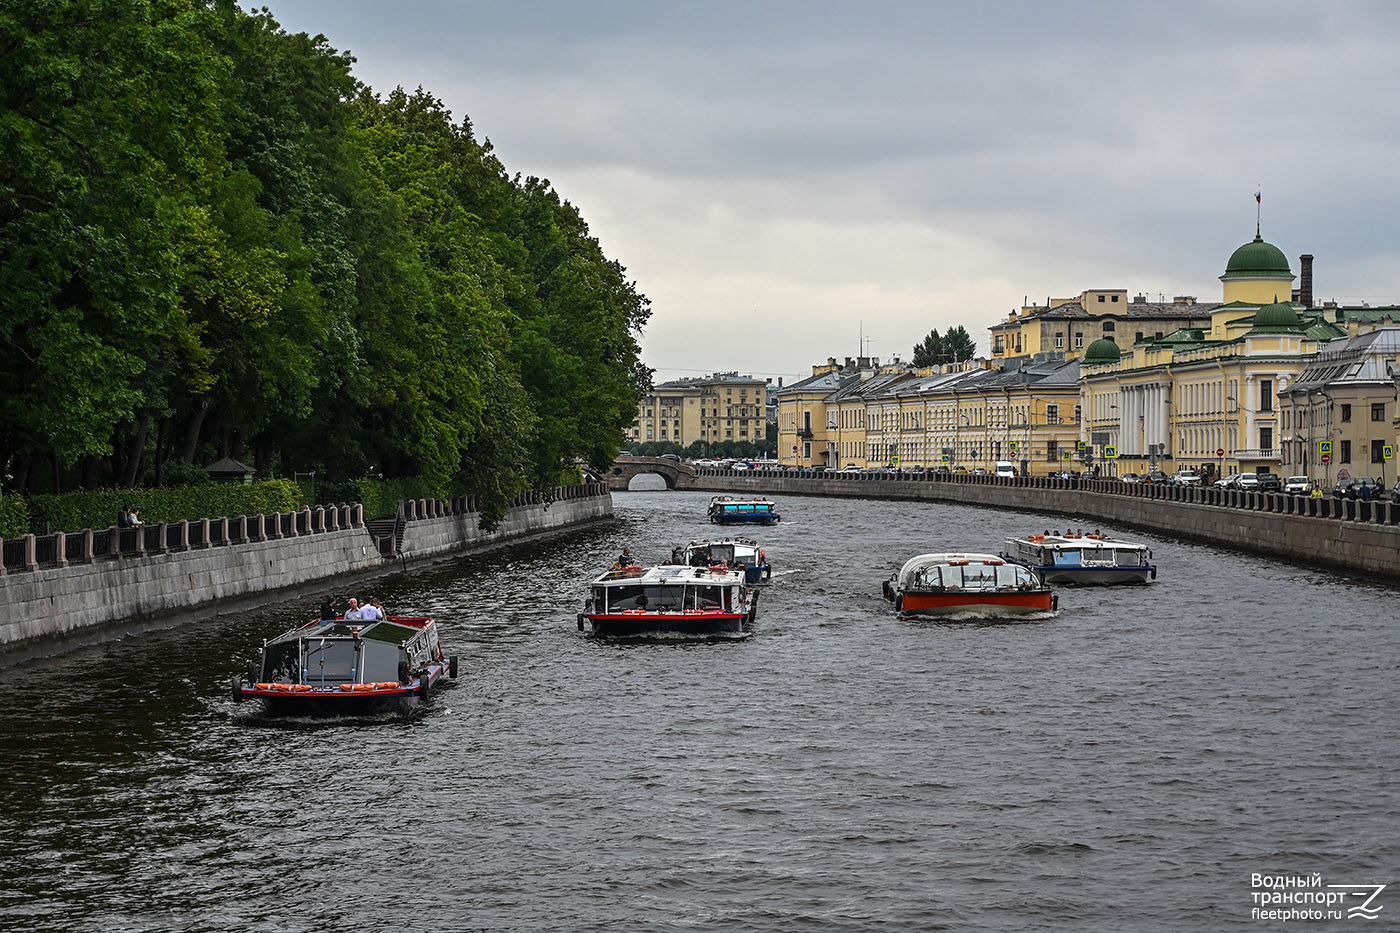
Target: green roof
<point>1278,314</point>
<point>1102,350</point>
<point>1257,259</point>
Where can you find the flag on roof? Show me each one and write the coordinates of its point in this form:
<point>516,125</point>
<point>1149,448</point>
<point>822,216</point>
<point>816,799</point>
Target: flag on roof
<point>1257,198</point>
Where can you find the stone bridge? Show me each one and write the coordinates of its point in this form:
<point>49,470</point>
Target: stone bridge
<point>676,474</point>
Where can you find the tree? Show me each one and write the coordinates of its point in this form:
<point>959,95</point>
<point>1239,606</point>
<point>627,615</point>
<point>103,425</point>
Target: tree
<point>957,346</point>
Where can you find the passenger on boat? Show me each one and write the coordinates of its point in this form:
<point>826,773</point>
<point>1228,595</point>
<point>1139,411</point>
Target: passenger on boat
<point>354,613</point>
<point>328,609</point>
<point>624,559</point>
<point>642,601</point>
<point>372,611</point>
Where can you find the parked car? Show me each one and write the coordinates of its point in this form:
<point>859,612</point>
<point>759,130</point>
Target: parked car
<point>1269,482</point>
<point>979,471</point>
<point>675,457</point>
<point>1350,488</point>
<point>1154,476</point>
<point>1297,485</point>
<point>1185,478</point>
<point>1228,480</point>
<point>850,468</point>
<point>1248,482</point>
<point>944,471</point>
<point>960,469</point>
<point>1130,478</point>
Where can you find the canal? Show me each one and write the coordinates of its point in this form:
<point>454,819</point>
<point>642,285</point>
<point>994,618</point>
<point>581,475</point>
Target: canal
<point>1126,765</point>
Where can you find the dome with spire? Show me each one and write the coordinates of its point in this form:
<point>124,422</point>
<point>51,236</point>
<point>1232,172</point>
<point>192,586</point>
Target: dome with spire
<point>1277,318</point>
<point>1257,259</point>
<point>1101,351</point>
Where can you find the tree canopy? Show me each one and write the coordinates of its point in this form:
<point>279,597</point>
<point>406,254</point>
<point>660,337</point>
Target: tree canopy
<point>216,241</point>
<point>956,346</point>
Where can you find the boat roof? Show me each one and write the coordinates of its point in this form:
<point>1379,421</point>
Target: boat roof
<point>1077,540</point>
<point>670,575</point>
<point>740,500</point>
<point>727,542</point>
<point>395,629</point>
<point>925,560</point>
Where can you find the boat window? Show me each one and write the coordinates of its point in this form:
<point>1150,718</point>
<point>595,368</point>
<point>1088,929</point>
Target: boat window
<point>329,661</point>
<point>390,632</point>
<point>979,575</point>
<point>282,663</point>
<point>1008,576</point>
<point>721,552</point>
<point>380,662</point>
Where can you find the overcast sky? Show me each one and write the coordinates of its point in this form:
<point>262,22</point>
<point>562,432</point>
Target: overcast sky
<point>779,178</point>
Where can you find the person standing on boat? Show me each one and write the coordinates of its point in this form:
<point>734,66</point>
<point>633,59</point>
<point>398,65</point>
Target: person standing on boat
<point>354,613</point>
<point>328,609</point>
<point>624,559</point>
<point>372,611</point>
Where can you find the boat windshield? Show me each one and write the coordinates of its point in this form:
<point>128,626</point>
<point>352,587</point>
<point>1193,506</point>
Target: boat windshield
<point>331,661</point>
<point>657,597</point>
<point>973,576</point>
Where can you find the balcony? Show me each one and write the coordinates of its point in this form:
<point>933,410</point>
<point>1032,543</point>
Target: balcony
<point>805,433</point>
<point>1256,453</point>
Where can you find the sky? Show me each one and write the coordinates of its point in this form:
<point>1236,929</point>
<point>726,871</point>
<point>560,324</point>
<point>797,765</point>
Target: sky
<point>792,181</point>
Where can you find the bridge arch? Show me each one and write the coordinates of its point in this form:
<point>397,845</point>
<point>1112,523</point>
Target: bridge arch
<point>677,475</point>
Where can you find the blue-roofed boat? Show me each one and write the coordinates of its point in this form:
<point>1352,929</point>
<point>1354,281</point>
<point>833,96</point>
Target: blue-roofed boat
<point>730,510</point>
<point>1083,558</point>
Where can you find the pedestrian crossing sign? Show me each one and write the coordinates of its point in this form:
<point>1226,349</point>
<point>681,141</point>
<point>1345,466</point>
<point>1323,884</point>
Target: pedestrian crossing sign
<point>1110,452</point>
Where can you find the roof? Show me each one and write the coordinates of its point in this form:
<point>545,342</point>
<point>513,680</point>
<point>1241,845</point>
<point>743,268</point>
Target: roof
<point>228,465</point>
<point>1102,351</point>
<point>1257,259</point>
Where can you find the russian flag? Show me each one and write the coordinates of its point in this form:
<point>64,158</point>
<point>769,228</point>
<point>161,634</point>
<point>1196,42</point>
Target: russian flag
<point>1257,198</point>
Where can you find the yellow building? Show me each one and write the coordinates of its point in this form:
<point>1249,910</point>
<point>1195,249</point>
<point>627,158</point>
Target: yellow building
<point>1070,325</point>
<point>712,409</point>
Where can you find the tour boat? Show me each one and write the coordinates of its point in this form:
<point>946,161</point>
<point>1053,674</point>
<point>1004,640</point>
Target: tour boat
<point>728,510</point>
<point>345,667</point>
<point>1083,558</point>
<point>670,599</point>
<point>975,584</point>
<point>731,552</point>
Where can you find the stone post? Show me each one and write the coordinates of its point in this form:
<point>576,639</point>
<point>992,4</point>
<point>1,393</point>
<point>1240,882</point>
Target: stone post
<point>88,537</point>
<point>60,549</point>
<point>31,560</point>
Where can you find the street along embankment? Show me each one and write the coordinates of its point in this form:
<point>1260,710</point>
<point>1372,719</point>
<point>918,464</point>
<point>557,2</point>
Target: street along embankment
<point>64,590</point>
<point>1359,537</point>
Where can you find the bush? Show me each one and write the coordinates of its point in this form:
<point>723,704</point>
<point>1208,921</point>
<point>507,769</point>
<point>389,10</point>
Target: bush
<point>14,517</point>
<point>98,508</point>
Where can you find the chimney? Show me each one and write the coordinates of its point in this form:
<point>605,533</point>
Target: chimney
<point>1305,294</point>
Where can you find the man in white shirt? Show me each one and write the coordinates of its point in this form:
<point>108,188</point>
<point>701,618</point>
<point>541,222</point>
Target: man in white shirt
<point>354,613</point>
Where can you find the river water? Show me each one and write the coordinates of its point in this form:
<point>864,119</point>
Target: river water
<point>1128,764</point>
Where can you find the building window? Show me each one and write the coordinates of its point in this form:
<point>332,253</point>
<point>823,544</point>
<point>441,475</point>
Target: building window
<point>1052,414</point>
<point>1138,338</point>
<point>1344,455</point>
<point>1115,298</point>
<point>1377,452</point>
<point>1108,327</point>
<point>997,343</point>
<point>1378,411</point>
<point>1266,439</point>
<point>1079,340</point>
<point>1052,450</point>
<point>1076,413</point>
<point>1266,395</point>
<point>1101,299</point>
<point>1059,341</point>
<point>1346,412</point>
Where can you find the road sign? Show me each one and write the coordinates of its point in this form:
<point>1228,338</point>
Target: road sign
<point>1387,451</point>
<point>1220,451</point>
<point>946,458</point>
<point>1326,458</point>
<point>1324,447</point>
<point>1110,452</point>
<point>1080,445</point>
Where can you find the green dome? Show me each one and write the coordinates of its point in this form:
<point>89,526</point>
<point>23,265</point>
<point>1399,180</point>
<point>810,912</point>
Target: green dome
<point>1102,350</point>
<point>1257,259</point>
<point>1278,314</point>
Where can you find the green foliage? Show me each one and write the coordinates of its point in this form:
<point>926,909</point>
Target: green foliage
<point>98,508</point>
<point>381,498</point>
<point>14,517</point>
<point>956,346</point>
<point>215,241</point>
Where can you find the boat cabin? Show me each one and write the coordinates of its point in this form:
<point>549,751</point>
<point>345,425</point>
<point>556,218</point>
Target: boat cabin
<point>338,651</point>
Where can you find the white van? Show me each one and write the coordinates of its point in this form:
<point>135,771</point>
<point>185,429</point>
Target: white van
<point>1006,468</point>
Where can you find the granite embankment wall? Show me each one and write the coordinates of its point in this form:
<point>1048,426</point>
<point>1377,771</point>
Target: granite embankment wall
<point>74,601</point>
<point>1360,537</point>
